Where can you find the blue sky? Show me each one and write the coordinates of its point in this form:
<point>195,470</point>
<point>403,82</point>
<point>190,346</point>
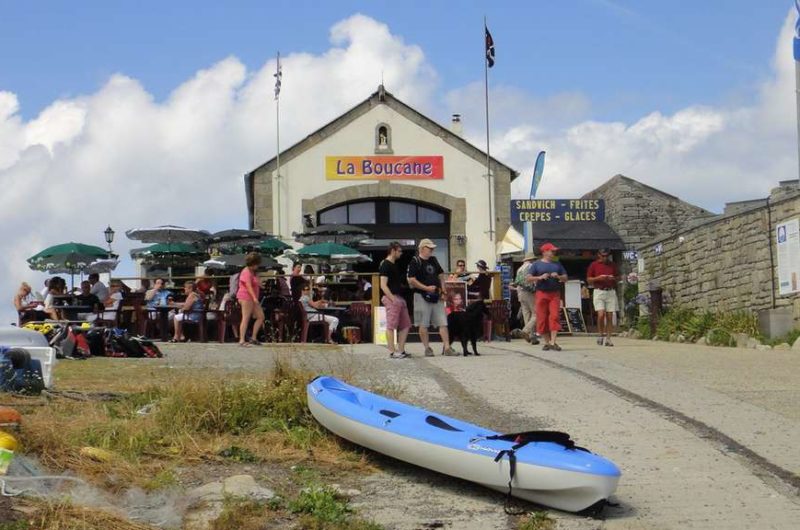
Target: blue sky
<point>627,57</point>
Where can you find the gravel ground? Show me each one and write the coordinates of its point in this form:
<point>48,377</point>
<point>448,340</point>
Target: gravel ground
<point>706,437</point>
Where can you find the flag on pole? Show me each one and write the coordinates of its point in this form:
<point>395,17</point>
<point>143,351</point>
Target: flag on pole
<point>797,32</point>
<point>490,46</point>
<point>538,170</point>
<point>278,75</point>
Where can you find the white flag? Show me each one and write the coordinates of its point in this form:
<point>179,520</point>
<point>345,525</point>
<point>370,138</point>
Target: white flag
<point>278,74</point>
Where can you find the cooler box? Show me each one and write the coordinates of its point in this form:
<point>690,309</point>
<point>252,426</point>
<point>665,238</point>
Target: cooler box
<point>35,344</point>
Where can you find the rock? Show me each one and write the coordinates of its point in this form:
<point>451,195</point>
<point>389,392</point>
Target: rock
<point>754,343</point>
<point>345,492</point>
<point>796,345</point>
<point>741,339</point>
<point>635,334</point>
<point>764,347</point>
<point>703,341</point>
<point>681,338</point>
<point>673,337</point>
<point>782,346</point>
<point>206,502</point>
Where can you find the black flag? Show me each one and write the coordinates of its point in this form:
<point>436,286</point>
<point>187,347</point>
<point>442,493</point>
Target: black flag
<point>489,48</point>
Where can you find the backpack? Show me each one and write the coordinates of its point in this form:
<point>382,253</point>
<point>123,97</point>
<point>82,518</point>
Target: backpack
<point>520,279</point>
<point>19,373</point>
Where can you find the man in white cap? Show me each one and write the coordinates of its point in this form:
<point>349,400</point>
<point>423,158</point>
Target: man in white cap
<point>525,294</point>
<point>427,278</point>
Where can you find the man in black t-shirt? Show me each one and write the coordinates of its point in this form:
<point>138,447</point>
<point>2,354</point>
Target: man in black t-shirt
<point>397,318</point>
<point>427,278</point>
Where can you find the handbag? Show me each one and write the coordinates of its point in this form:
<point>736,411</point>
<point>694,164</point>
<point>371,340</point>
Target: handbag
<point>431,298</point>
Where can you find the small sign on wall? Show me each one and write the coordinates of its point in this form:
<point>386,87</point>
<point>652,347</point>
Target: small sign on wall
<point>788,242</point>
<point>384,167</point>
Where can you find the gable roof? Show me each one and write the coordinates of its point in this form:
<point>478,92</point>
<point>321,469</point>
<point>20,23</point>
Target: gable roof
<point>381,97</point>
<point>619,178</point>
<point>576,236</point>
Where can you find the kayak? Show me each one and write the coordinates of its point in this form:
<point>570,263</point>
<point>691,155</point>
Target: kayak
<point>539,466</point>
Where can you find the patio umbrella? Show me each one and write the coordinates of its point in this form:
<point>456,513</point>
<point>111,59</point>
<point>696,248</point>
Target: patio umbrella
<point>334,233</point>
<point>167,234</point>
<point>67,258</point>
<point>233,235</point>
<point>333,253</point>
<point>171,255</point>
<point>271,246</point>
<point>102,265</point>
<point>235,261</point>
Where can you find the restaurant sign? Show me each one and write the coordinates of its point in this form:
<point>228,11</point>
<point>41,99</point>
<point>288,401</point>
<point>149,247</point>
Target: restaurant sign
<point>557,210</point>
<point>384,167</point>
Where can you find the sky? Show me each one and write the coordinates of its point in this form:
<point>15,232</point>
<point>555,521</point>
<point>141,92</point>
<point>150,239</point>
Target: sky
<point>144,113</point>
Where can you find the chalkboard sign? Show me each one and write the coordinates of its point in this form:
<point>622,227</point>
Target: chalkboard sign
<point>574,318</point>
<point>562,320</point>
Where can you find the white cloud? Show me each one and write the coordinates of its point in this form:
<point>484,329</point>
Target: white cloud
<point>119,157</point>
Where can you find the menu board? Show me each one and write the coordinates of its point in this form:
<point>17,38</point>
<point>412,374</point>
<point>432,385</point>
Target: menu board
<point>505,276</point>
<point>574,319</point>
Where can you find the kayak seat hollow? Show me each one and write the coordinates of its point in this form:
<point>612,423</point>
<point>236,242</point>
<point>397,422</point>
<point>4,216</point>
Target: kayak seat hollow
<point>438,422</point>
<point>389,413</point>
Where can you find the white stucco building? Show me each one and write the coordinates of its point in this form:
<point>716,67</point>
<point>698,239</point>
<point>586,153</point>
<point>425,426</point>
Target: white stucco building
<point>437,186</point>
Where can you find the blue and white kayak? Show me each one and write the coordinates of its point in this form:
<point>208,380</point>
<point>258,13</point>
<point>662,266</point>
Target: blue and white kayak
<point>547,473</point>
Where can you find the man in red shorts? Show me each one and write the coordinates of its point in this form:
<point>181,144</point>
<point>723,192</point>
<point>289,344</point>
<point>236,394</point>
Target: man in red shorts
<point>397,317</point>
<point>548,274</point>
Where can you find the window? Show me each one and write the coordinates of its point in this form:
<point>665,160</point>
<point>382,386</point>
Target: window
<point>402,213</point>
<point>428,216</point>
<point>442,252</point>
<point>361,213</point>
<point>334,216</point>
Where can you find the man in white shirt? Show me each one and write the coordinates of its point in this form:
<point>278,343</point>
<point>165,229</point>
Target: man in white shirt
<point>99,289</point>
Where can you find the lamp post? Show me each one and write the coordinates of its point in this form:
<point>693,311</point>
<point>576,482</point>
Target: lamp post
<point>109,233</point>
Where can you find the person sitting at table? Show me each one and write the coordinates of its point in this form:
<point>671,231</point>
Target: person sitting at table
<point>191,310</point>
<point>460,274</point>
<point>99,289</point>
<point>86,298</point>
<point>56,288</point>
<point>29,308</point>
<point>157,296</point>
<point>324,269</point>
<point>312,308</point>
<point>205,286</point>
<point>112,303</point>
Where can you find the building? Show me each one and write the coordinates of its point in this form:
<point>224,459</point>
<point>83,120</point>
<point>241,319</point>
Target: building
<point>388,168</point>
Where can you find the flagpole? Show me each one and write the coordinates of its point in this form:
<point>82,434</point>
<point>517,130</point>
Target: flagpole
<point>488,156</point>
<point>278,141</point>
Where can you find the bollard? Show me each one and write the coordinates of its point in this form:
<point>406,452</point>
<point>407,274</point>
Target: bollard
<point>656,306</point>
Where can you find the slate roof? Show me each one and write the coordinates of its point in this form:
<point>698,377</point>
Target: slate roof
<point>577,236</point>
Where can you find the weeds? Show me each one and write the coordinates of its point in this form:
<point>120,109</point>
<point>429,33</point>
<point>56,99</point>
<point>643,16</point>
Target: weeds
<point>718,327</point>
<point>66,516</point>
<point>241,514</point>
<point>536,521</point>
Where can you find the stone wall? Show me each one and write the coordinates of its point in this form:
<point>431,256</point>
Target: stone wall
<point>724,264</point>
<point>639,213</point>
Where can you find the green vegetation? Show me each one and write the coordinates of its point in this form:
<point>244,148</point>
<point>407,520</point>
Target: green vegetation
<point>536,521</point>
<point>719,328</point>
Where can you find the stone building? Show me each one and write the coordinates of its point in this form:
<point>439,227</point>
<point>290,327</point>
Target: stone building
<point>386,167</point>
<point>726,262</point>
<point>639,213</point>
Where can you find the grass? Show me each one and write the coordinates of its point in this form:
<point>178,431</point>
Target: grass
<point>67,516</point>
<point>536,521</point>
<point>159,421</point>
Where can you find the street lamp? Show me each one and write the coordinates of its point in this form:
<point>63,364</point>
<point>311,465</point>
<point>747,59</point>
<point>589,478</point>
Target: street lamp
<point>109,233</point>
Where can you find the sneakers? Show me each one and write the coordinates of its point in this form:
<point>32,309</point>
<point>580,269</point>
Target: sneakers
<point>555,347</point>
<point>450,352</point>
<point>428,352</point>
<point>608,342</point>
<point>546,347</point>
<point>534,340</point>
<point>401,355</point>
<point>600,341</point>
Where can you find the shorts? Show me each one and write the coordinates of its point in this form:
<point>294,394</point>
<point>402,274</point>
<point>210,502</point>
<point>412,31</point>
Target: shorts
<point>605,300</point>
<point>428,314</point>
<point>187,317</point>
<point>396,313</point>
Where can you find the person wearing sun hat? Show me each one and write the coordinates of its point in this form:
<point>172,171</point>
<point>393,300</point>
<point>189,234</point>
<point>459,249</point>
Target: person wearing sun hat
<point>548,275</point>
<point>525,295</point>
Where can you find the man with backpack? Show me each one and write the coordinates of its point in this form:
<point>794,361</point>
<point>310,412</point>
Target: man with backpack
<point>427,278</point>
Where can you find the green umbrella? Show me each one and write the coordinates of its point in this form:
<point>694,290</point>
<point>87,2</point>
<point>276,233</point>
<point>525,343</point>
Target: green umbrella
<point>170,253</point>
<point>327,253</point>
<point>67,258</point>
<point>268,247</point>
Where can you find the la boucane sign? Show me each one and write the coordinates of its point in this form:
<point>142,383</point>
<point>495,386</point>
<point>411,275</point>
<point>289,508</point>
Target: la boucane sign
<point>558,210</point>
<point>384,167</point>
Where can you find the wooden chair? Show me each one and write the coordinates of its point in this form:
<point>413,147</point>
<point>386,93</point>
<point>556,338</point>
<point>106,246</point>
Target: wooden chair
<point>201,325</point>
<point>361,314</point>
<point>131,313</point>
<point>228,318</point>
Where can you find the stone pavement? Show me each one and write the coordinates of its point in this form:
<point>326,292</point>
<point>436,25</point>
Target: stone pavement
<point>706,437</point>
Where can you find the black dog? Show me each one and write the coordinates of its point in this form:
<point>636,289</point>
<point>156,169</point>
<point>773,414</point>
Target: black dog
<point>467,325</point>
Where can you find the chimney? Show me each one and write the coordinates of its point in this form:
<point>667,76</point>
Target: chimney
<point>456,126</point>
